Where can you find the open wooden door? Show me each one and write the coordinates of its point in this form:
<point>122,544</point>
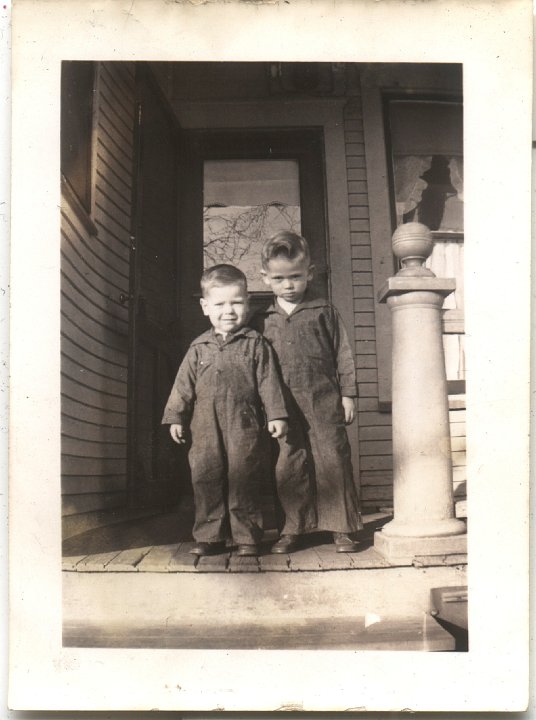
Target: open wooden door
<point>152,301</point>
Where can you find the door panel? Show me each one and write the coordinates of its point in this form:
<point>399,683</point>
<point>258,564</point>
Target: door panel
<point>153,343</point>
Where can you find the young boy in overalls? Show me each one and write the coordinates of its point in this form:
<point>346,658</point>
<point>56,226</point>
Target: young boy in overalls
<point>226,390</point>
<point>314,474</point>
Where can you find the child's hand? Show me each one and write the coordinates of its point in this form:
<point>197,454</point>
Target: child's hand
<point>348,405</point>
<point>277,428</point>
<point>178,433</point>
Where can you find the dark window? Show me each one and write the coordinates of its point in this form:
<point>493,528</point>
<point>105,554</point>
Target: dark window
<point>77,85</point>
<point>426,141</point>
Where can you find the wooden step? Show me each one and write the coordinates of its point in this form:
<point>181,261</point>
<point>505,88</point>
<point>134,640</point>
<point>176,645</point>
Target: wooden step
<point>421,633</point>
<point>244,607</point>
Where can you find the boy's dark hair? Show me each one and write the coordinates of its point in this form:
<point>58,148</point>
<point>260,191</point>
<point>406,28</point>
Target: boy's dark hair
<point>285,243</point>
<point>221,275</point>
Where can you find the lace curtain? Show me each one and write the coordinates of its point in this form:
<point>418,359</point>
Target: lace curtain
<point>410,185</point>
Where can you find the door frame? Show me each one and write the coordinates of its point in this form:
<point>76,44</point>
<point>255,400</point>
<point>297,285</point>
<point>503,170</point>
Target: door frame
<point>325,113</point>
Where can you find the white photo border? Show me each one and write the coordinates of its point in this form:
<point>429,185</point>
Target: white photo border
<point>494,43</point>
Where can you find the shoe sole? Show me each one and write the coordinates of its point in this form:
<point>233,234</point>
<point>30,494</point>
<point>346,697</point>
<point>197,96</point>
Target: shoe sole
<point>284,551</point>
<point>218,551</point>
<point>347,549</point>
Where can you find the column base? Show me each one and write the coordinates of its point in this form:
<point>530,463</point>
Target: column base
<point>425,528</point>
<point>402,550</point>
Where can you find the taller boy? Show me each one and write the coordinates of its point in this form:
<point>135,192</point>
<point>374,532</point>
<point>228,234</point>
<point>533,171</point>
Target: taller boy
<point>313,470</point>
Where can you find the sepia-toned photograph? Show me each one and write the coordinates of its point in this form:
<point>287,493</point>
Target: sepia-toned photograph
<point>270,293</point>
<point>262,344</point>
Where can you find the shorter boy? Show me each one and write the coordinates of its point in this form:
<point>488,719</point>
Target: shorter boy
<point>226,388</point>
<point>314,469</point>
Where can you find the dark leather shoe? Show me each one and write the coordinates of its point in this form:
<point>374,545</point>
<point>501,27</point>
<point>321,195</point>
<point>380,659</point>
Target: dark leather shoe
<point>247,550</point>
<point>286,544</point>
<point>207,548</point>
<point>344,543</point>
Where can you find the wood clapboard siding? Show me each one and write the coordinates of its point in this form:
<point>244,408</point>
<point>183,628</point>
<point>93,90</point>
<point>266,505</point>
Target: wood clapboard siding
<point>94,329</point>
<point>102,260</point>
<point>92,379</point>
<point>97,364</point>
<point>375,447</point>
<point>375,432</point>
<point>73,407</point>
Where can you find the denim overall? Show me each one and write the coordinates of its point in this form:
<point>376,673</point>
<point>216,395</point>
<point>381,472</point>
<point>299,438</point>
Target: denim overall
<point>313,470</point>
<point>226,391</point>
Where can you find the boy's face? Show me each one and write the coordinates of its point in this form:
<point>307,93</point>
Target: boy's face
<point>226,307</point>
<point>288,278</point>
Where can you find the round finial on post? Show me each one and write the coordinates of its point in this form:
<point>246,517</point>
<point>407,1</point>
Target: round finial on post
<point>412,244</point>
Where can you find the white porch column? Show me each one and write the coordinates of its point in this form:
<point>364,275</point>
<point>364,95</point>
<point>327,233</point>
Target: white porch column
<point>424,520</point>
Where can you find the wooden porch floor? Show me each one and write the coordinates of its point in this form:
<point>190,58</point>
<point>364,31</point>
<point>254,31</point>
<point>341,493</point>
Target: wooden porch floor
<point>121,585</point>
<point>144,546</point>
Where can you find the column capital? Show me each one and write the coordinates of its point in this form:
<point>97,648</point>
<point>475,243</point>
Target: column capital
<point>400,284</point>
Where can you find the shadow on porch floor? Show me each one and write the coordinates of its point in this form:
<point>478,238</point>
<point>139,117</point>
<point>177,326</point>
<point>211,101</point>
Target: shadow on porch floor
<point>161,544</point>
<point>155,544</point>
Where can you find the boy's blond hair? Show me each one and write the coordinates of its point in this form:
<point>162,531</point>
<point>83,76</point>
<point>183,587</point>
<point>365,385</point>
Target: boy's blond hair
<point>221,275</point>
<point>287,244</point>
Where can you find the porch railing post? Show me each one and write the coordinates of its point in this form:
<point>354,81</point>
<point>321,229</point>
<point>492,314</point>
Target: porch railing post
<point>424,520</point>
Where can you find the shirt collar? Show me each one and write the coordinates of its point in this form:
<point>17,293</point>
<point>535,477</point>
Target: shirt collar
<point>210,336</point>
<point>310,300</point>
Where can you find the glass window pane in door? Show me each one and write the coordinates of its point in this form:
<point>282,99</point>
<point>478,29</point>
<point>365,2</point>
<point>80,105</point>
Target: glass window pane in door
<point>244,202</point>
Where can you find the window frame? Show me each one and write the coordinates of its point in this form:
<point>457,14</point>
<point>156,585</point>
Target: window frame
<point>82,206</point>
<point>452,319</point>
<point>381,82</point>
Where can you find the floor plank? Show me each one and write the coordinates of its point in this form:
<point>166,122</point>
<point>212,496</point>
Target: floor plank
<point>274,563</point>
<point>213,563</point>
<point>369,559</point>
<point>243,564</point>
<point>128,560</point>
<point>304,560</point>
<point>183,560</point>
<point>158,558</point>
<point>435,560</point>
<point>96,563</point>
<point>332,560</point>
<point>71,562</point>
